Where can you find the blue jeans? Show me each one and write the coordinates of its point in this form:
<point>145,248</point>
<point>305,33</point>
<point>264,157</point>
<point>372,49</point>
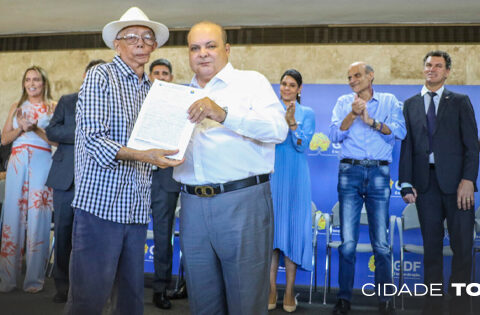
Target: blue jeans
<point>106,261</point>
<point>357,185</point>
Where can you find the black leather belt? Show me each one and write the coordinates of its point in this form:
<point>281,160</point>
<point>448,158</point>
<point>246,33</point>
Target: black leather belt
<point>210,190</point>
<point>364,162</point>
<point>432,166</point>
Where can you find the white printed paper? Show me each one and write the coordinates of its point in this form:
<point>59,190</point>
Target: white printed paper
<point>163,120</point>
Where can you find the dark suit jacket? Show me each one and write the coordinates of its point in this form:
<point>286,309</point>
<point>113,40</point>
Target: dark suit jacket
<point>455,143</point>
<point>162,179</point>
<point>62,130</point>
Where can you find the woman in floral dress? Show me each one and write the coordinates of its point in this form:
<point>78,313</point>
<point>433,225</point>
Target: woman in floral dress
<point>28,206</point>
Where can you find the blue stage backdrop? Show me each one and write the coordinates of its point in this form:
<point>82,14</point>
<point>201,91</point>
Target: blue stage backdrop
<point>323,163</point>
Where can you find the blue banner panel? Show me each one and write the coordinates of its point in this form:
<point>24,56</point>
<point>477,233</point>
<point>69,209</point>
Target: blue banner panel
<point>148,264</point>
<point>323,163</point>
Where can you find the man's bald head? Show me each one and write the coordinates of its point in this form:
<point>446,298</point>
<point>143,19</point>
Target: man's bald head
<point>209,24</point>
<point>208,50</point>
<point>368,68</point>
<point>360,76</point>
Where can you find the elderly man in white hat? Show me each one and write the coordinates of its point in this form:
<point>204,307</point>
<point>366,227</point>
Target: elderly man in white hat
<point>112,182</point>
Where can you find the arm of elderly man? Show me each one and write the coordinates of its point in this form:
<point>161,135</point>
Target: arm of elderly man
<point>95,123</point>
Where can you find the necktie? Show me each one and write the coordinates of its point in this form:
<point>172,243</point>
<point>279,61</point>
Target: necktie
<point>431,118</point>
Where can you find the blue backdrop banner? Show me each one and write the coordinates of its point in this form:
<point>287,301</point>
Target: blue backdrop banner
<point>323,163</point>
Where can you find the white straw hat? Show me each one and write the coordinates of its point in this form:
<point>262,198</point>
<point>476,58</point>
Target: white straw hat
<point>134,16</point>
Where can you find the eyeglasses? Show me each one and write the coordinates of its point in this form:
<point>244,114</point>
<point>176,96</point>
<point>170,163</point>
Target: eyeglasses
<point>132,39</point>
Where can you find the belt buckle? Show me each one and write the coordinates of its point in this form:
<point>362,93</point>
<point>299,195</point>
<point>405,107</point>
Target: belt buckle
<point>365,162</point>
<point>204,191</point>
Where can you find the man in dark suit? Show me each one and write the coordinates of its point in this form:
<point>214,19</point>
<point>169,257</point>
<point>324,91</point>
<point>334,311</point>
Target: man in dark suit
<point>165,192</point>
<point>438,171</point>
<point>62,130</point>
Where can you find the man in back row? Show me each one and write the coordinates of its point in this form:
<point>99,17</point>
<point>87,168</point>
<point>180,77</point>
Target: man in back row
<point>366,123</point>
<point>61,129</point>
<point>438,172</point>
<point>165,192</point>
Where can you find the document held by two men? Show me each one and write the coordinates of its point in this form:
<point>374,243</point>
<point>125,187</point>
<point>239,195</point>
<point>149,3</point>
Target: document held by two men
<point>163,120</point>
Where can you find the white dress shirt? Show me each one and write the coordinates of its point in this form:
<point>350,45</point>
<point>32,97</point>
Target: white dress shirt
<point>244,145</point>
<point>436,101</point>
<point>426,102</point>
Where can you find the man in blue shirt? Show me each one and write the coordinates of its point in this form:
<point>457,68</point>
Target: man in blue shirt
<point>366,124</point>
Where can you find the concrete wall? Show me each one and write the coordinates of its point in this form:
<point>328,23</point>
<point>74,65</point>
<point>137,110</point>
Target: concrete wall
<point>393,64</point>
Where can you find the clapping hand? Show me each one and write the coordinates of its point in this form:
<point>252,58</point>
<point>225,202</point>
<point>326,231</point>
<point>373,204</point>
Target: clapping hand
<point>365,117</point>
<point>31,126</point>
<point>21,120</point>
<point>290,114</point>
<point>358,106</point>
<point>24,123</point>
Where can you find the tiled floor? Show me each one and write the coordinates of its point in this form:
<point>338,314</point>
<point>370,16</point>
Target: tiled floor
<point>20,303</point>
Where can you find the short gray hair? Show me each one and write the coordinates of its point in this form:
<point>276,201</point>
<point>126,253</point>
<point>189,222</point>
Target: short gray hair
<point>368,68</point>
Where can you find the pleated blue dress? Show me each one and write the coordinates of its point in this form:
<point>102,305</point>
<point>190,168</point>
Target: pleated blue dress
<point>291,192</point>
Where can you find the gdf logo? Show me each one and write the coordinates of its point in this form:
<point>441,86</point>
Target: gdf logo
<point>397,185</point>
<point>408,266</point>
<point>336,145</point>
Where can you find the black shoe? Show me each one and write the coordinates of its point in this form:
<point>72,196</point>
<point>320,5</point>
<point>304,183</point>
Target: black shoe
<point>459,306</point>
<point>161,300</point>
<point>342,307</point>
<point>433,310</point>
<point>386,308</point>
<point>60,297</point>
<point>433,306</point>
<point>180,293</point>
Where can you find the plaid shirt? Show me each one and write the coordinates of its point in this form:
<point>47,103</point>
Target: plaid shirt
<point>108,105</point>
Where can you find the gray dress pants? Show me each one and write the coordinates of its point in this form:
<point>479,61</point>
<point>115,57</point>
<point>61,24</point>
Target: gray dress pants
<point>227,244</point>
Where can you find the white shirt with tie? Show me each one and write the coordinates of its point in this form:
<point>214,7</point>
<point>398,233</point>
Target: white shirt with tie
<point>436,101</point>
<point>426,102</point>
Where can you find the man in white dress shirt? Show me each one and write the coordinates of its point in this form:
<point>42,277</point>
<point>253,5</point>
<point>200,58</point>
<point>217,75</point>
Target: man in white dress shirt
<point>226,223</point>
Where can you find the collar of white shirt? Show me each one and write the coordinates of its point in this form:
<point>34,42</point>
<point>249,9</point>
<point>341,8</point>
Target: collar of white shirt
<point>225,75</point>
<point>439,92</point>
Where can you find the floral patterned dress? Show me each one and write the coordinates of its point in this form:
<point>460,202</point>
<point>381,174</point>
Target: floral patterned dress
<point>28,206</point>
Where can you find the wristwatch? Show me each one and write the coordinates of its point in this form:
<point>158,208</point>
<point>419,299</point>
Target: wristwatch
<point>375,124</point>
<point>225,109</point>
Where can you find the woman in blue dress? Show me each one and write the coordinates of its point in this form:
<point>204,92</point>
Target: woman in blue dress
<point>291,192</point>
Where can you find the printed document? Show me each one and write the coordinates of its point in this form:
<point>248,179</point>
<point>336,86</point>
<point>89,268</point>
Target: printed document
<point>163,120</point>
